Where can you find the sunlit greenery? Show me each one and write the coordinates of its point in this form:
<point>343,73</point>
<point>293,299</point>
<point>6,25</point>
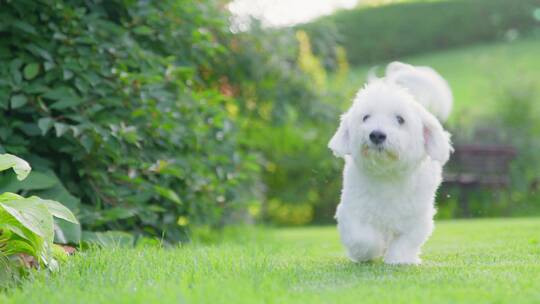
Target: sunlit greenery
<point>165,131</point>
<point>139,115</point>
<point>27,227</point>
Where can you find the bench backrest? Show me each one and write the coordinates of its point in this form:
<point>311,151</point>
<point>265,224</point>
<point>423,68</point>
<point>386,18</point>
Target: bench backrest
<point>479,163</point>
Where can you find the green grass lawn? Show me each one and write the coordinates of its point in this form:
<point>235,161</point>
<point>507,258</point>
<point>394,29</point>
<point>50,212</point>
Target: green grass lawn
<point>478,75</point>
<point>476,261</point>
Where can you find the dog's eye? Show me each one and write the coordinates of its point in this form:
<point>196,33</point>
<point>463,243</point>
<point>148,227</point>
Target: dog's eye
<point>366,117</point>
<point>400,119</point>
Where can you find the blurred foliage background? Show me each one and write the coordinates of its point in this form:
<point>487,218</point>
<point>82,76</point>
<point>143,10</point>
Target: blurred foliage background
<point>155,117</point>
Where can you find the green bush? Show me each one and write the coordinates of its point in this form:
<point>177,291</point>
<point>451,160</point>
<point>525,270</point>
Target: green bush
<point>121,100</point>
<point>27,228</point>
<point>387,32</point>
<point>289,118</point>
<point>152,114</point>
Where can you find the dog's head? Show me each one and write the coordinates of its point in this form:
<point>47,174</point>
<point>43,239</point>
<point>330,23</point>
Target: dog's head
<point>387,130</point>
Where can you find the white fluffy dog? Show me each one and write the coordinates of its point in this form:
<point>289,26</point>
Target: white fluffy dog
<point>394,150</point>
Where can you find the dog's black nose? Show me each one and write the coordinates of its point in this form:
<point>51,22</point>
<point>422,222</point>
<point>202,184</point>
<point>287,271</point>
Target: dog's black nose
<point>377,137</point>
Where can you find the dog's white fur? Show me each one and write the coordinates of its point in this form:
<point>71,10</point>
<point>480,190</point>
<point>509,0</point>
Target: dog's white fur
<point>387,200</point>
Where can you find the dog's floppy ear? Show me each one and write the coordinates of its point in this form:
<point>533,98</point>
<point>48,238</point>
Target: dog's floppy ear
<point>340,143</point>
<point>436,139</point>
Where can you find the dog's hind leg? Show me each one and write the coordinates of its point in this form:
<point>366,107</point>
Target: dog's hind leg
<point>363,242</point>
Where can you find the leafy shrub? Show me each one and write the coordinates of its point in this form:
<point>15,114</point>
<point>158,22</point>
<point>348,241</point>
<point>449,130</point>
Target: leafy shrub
<point>289,214</point>
<point>298,170</point>
<point>391,31</point>
<point>288,118</point>
<point>121,101</point>
<point>151,117</point>
<point>26,225</point>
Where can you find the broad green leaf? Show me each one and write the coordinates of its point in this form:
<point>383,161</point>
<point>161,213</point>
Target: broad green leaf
<point>59,36</point>
<point>108,239</point>
<point>65,97</point>
<point>67,102</point>
<point>15,64</point>
<point>59,237</point>
<point>47,257</point>
<point>18,246</point>
<point>45,124</point>
<point>18,101</point>
<point>36,88</point>
<point>38,51</point>
<point>8,196</point>
<point>19,165</point>
<point>67,74</point>
<point>87,142</point>
<point>48,66</point>
<point>36,180</point>
<point>118,213</point>
<point>30,129</point>
<point>76,131</point>
<point>10,223</point>
<point>142,30</point>
<point>60,128</point>
<point>31,70</point>
<point>58,93</point>
<point>33,214</point>
<point>20,239</point>
<point>66,232</point>
<point>25,27</point>
<point>58,210</point>
<point>59,193</point>
<point>168,194</point>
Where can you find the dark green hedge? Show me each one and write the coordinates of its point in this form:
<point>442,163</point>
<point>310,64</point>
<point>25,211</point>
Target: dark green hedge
<point>388,32</point>
<point>121,101</point>
<point>139,115</point>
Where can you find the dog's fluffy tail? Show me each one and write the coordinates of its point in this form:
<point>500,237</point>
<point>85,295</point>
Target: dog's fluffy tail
<point>425,84</point>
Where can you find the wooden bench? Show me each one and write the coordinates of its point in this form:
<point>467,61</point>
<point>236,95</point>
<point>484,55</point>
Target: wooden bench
<point>478,165</point>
